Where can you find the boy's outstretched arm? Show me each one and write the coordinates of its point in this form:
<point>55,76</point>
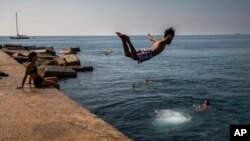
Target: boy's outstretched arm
<point>151,38</point>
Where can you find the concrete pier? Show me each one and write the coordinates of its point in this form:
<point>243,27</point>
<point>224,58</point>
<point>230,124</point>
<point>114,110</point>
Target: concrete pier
<point>45,114</point>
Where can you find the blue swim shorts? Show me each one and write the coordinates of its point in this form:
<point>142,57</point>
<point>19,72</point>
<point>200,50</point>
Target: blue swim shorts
<point>144,54</point>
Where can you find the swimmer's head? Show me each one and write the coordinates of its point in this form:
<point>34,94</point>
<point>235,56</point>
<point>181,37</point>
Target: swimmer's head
<point>207,103</point>
<point>133,85</point>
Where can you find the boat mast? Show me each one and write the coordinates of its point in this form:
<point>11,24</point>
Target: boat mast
<point>16,25</point>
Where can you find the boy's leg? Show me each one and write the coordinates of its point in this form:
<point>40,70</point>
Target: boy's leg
<point>126,49</point>
<point>132,49</point>
<point>125,45</point>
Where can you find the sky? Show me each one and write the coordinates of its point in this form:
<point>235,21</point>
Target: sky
<point>133,17</point>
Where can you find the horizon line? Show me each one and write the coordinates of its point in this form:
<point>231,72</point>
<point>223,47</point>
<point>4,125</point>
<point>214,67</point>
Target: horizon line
<point>134,35</point>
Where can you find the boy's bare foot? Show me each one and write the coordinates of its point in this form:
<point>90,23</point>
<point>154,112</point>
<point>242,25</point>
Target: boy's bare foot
<point>122,36</point>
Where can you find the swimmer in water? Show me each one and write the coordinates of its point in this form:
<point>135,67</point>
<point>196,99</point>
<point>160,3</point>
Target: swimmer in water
<point>133,86</point>
<point>202,107</point>
<point>146,81</point>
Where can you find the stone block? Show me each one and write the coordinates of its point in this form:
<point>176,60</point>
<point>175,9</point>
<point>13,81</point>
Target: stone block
<point>12,45</point>
<point>18,55</point>
<point>50,51</point>
<point>71,50</point>
<point>40,52</point>
<point>38,48</point>
<point>76,49</point>
<point>11,52</point>
<point>15,48</point>
<point>72,60</point>
<point>67,51</point>
<point>41,62</point>
<point>60,61</point>
<point>59,71</point>
<point>81,68</point>
<point>21,59</point>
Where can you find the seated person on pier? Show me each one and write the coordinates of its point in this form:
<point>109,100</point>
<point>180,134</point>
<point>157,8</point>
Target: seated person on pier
<point>32,70</point>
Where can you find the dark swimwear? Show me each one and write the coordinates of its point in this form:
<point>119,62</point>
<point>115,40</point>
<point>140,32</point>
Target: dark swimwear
<point>34,70</point>
<point>144,54</point>
<point>38,80</point>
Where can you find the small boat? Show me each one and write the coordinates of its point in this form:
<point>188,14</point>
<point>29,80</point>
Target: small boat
<point>18,36</point>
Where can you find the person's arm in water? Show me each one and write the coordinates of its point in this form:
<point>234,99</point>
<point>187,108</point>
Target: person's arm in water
<point>151,38</point>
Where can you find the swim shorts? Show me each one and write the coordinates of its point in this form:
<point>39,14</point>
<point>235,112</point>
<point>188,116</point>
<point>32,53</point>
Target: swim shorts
<point>144,54</point>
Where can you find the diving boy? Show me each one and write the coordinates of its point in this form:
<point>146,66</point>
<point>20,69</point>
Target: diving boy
<point>145,54</point>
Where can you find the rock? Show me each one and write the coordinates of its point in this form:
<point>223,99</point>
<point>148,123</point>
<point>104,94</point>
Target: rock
<point>37,48</point>
<point>50,48</point>
<point>70,50</point>
<point>50,51</point>
<point>46,56</point>
<point>11,49</point>
<point>18,55</point>
<point>76,49</point>
<point>11,52</point>
<point>81,68</point>
<point>71,60</point>
<point>40,52</point>
<point>59,71</point>
<point>12,45</point>
<point>67,51</point>
<point>34,48</point>
<point>60,61</point>
<point>27,47</point>
<point>15,48</point>
<point>41,62</point>
<point>68,60</point>
<point>21,59</point>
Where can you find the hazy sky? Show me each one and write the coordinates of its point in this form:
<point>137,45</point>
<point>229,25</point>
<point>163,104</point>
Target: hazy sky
<point>139,17</point>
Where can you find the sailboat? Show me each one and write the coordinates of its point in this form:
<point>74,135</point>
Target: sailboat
<point>18,36</point>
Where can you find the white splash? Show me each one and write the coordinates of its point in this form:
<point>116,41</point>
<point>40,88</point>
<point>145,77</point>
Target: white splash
<point>171,117</point>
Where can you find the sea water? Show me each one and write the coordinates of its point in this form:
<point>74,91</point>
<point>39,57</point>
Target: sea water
<point>190,70</point>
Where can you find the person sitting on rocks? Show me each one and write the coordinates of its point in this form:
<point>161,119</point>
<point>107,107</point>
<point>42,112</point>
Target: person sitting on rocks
<point>32,70</point>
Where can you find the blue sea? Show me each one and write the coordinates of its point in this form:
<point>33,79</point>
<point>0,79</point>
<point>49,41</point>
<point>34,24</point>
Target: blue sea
<point>190,70</point>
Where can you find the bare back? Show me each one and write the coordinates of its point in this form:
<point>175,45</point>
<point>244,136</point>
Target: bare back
<point>158,46</point>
